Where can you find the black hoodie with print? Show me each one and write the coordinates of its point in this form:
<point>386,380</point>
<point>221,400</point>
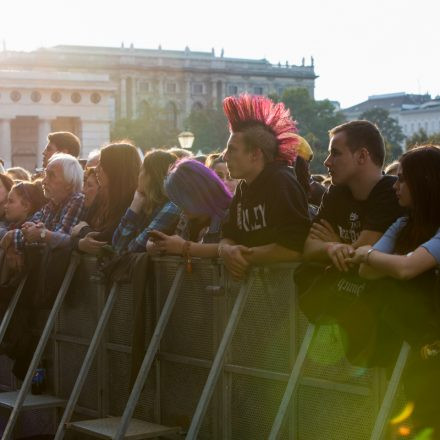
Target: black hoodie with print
<point>272,209</point>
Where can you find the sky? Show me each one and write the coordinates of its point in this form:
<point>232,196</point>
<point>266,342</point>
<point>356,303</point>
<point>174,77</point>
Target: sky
<point>360,48</point>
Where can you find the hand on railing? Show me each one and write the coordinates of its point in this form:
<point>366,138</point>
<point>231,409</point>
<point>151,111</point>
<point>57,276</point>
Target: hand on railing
<point>167,244</point>
<point>234,257</point>
<point>32,232</point>
<point>89,245</point>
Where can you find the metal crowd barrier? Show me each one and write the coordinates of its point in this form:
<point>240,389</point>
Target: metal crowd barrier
<point>265,374</point>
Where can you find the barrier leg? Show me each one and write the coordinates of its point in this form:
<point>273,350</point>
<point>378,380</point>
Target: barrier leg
<point>8,432</point>
<point>117,427</point>
<point>390,393</point>
<point>217,364</point>
<point>150,355</point>
<point>292,383</point>
<point>87,363</point>
<point>11,307</point>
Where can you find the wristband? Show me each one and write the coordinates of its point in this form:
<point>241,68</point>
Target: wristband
<point>187,256</point>
<point>220,250</point>
<point>367,256</point>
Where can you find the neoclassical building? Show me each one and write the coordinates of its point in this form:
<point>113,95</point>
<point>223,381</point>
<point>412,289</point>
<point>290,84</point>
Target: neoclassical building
<point>33,103</point>
<point>128,80</point>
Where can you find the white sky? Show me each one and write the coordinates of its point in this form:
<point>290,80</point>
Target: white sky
<point>360,47</point>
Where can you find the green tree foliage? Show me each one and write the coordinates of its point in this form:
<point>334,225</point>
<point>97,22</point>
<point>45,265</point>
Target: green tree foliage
<point>421,138</point>
<point>315,119</point>
<point>151,129</point>
<point>390,130</point>
<point>210,129</point>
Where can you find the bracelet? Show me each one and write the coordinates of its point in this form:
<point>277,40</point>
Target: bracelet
<point>187,256</point>
<point>367,256</point>
<point>220,248</point>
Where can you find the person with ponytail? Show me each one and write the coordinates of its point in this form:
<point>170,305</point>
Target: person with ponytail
<point>268,218</point>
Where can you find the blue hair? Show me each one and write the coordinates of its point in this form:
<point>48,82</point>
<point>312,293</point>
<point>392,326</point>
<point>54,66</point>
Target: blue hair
<point>196,189</point>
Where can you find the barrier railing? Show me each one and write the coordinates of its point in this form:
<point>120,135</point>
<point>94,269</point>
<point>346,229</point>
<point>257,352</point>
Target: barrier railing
<point>213,380</point>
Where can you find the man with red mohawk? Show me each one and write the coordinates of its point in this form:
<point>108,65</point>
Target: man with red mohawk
<point>268,219</point>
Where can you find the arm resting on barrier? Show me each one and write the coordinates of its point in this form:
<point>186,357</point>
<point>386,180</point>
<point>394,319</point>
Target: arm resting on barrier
<point>376,264</point>
<point>174,244</point>
<point>271,253</point>
<point>335,252</point>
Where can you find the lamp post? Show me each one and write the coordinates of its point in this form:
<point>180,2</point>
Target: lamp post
<point>186,139</point>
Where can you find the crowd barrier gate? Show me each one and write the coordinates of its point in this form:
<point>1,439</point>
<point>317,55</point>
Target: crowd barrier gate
<point>333,400</point>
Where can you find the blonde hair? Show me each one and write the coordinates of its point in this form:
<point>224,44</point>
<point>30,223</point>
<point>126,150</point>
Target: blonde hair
<point>156,165</point>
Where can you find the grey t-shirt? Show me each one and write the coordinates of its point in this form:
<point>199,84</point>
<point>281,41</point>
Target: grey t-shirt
<point>387,242</point>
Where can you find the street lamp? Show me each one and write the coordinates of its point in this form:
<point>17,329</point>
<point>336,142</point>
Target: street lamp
<point>186,139</point>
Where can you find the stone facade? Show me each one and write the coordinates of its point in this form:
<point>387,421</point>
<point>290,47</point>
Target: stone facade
<point>83,89</point>
<point>35,102</point>
<point>176,80</point>
<point>425,116</point>
<point>413,112</point>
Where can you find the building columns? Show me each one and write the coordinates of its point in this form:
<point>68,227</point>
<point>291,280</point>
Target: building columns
<point>6,142</point>
<point>44,128</point>
<point>123,101</point>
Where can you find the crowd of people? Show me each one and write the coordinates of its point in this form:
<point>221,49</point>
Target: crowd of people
<point>254,203</point>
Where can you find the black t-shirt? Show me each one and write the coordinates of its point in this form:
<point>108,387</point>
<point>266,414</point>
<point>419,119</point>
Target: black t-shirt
<point>349,216</point>
<point>272,209</point>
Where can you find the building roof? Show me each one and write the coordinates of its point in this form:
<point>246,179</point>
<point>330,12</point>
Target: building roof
<point>390,102</point>
<point>159,59</point>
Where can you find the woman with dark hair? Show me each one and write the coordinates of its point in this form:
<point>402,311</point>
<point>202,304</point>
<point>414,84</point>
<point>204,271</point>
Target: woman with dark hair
<point>150,208</point>
<point>91,186</point>
<point>411,246</point>
<point>204,201</point>
<point>117,174</point>
<point>410,251</point>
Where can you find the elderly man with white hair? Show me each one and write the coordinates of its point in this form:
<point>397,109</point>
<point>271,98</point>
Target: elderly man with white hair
<point>53,224</point>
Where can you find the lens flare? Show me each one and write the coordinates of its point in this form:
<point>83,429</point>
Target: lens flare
<point>406,412</point>
<point>404,431</point>
<point>426,434</point>
<point>326,347</point>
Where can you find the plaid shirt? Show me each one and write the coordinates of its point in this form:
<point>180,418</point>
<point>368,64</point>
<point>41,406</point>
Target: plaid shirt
<point>56,218</point>
<point>209,234</point>
<point>134,229</point>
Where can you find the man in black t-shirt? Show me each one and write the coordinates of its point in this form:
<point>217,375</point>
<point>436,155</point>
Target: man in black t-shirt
<point>268,218</point>
<point>361,203</point>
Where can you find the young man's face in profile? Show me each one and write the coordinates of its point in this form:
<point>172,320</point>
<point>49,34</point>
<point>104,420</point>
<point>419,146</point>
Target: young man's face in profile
<point>341,162</point>
<point>240,160</point>
<point>48,152</point>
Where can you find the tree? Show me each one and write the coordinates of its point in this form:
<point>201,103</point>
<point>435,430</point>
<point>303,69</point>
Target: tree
<point>151,129</point>
<point>210,129</point>
<point>390,129</point>
<point>421,137</point>
<point>315,119</point>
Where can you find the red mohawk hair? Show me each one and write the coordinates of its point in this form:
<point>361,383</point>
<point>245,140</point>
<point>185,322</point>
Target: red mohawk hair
<point>246,110</point>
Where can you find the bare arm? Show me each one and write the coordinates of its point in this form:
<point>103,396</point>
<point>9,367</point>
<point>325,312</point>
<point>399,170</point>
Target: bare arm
<point>338,253</point>
<point>271,253</point>
<point>403,267</point>
<point>316,249</point>
<point>367,237</point>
